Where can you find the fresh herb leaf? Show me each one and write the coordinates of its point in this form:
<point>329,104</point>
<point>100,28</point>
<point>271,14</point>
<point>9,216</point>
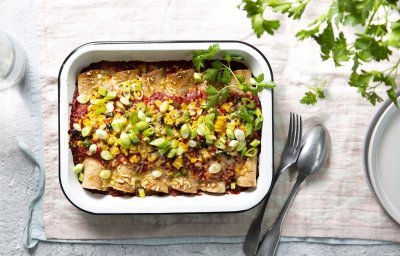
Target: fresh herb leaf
<point>317,92</point>
<point>201,55</point>
<point>376,38</point>
<point>221,73</point>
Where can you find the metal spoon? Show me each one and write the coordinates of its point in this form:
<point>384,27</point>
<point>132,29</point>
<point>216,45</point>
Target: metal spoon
<point>312,156</point>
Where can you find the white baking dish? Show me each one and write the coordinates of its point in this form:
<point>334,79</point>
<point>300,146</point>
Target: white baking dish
<point>159,51</point>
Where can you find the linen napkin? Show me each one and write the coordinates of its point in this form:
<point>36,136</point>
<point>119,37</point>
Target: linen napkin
<point>335,203</point>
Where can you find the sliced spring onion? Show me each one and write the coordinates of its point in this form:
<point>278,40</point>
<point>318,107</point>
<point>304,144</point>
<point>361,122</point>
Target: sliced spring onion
<point>243,151</point>
<point>193,133</point>
<point>258,123</point>
<point>239,135</point>
<point>233,143</point>
<point>77,127</point>
<point>220,145</point>
<point>248,103</point>
<point>162,151</point>
<point>142,125</point>
<point>172,153</point>
<point>100,110</point>
<point>126,87</point>
<point>110,95</point>
<point>86,131</point>
<point>106,155</point>
<point>185,131</point>
<point>102,91</point>
<point>118,123</point>
<point>179,151</point>
<point>83,99</point>
<point>148,132</point>
<point>98,102</point>
<point>78,168</point>
<point>81,177</point>
<point>125,101</point>
<point>164,106</point>
<point>101,134</point>
<point>138,94</point>
<point>134,138</point>
<point>233,185</point>
<point>214,168</point>
<point>258,112</point>
<point>141,115</point>
<point>255,143</point>
<point>192,143</point>
<point>174,143</point>
<point>142,194</point>
<point>203,130</point>
<point>105,174</point>
<point>134,118</point>
<point>230,133</point>
<point>251,152</point>
<point>109,107</point>
<point>210,139</point>
<point>156,173</point>
<point>198,77</point>
<point>240,146</point>
<point>92,149</point>
<point>249,129</point>
<point>160,143</point>
<point>125,140</point>
<point>141,106</point>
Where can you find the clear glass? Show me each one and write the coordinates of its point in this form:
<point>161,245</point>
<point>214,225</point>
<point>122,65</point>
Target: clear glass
<point>12,61</point>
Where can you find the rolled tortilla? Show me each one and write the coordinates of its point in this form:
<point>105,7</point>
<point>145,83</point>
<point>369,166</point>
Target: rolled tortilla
<point>218,187</point>
<point>92,180</point>
<point>248,174</point>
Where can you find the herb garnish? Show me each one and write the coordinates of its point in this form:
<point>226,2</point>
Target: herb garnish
<point>221,73</point>
<point>377,37</point>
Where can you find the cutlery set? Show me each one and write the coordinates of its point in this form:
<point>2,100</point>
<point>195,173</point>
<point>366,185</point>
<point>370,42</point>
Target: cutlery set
<point>307,154</point>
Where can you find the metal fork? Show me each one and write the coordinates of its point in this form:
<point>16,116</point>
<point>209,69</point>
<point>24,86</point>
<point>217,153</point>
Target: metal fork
<point>289,157</point>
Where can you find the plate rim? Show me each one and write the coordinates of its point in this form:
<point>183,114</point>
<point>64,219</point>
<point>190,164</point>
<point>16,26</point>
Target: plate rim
<point>368,140</point>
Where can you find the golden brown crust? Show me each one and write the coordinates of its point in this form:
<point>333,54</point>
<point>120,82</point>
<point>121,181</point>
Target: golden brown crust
<point>214,187</point>
<point>153,82</point>
<point>184,184</point>
<point>92,180</point>
<point>126,75</point>
<point>89,79</point>
<point>123,178</point>
<point>248,174</point>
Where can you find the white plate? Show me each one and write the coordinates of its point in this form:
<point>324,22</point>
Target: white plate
<point>159,51</point>
<point>382,158</point>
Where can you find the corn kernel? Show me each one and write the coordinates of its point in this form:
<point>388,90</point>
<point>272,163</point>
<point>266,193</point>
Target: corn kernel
<point>134,159</point>
<point>114,150</point>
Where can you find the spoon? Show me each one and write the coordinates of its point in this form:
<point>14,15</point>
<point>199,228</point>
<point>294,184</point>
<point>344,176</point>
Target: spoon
<point>312,156</point>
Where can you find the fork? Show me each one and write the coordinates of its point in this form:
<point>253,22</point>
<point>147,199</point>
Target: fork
<point>289,157</point>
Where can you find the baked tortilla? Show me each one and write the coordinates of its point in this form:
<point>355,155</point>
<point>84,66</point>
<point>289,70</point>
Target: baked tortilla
<point>128,176</point>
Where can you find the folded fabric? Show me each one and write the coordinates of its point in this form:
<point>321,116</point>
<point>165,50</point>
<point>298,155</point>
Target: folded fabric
<point>335,203</point>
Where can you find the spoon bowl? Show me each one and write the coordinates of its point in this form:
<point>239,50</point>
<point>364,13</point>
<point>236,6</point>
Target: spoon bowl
<point>313,155</point>
<point>315,150</point>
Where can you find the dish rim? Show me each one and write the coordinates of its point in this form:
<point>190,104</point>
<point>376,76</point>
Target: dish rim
<point>368,142</point>
<point>160,42</point>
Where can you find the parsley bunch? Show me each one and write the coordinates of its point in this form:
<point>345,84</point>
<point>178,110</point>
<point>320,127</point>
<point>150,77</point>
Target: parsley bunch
<point>221,73</point>
<point>377,38</point>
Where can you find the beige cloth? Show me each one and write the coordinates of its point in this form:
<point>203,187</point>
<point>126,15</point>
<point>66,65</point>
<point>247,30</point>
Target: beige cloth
<point>334,203</point>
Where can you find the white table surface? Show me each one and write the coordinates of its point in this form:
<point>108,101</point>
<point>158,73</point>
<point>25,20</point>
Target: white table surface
<point>17,118</point>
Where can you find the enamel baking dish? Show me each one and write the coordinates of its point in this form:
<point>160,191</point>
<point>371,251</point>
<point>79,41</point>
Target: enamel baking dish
<point>159,51</point>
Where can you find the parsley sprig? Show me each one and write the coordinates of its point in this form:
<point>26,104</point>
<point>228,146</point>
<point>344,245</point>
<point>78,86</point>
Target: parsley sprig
<point>377,37</point>
<point>315,92</point>
<point>220,74</point>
